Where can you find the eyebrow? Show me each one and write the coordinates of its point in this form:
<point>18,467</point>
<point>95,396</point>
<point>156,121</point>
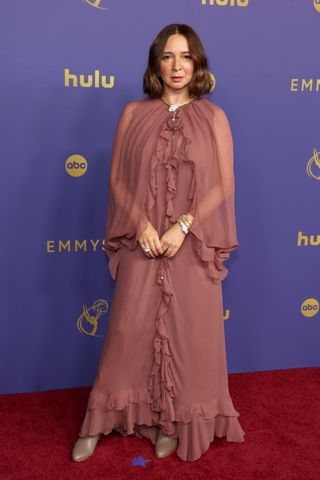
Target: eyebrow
<point>187,51</point>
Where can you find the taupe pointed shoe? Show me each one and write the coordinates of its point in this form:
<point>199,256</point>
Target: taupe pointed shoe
<point>84,447</point>
<point>165,445</point>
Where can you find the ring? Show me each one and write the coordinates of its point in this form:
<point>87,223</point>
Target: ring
<point>146,249</point>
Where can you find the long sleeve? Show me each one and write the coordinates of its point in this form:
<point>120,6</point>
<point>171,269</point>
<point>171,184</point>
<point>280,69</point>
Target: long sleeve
<point>125,219</point>
<point>217,207</point>
<point>214,224</point>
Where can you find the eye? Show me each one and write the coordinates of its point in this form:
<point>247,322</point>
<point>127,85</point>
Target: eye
<point>165,57</point>
<point>187,55</point>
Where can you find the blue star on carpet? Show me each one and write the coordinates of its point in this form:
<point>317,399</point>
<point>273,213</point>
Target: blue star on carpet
<point>139,461</point>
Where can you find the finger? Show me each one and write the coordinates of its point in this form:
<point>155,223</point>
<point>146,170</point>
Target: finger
<point>158,246</point>
<point>150,253</point>
<point>164,248</point>
<point>153,252</point>
<point>168,252</point>
<point>173,252</point>
<point>148,244</point>
<point>143,246</point>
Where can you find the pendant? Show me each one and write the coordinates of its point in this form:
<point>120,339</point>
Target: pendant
<point>173,107</point>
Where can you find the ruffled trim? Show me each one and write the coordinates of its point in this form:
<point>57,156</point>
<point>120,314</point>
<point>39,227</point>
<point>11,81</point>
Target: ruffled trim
<point>170,154</point>
<point>130,412</point>
<point>115,256</point>
<point>114,260</point>
<point>212,257</point>
<point>161,385</point>
<point>117,411</point>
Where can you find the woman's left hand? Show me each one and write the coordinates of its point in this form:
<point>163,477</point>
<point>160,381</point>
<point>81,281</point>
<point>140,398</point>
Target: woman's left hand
<point>171,240</point>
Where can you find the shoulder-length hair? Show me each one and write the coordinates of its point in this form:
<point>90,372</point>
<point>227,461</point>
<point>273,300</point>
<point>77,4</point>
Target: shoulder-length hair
<point>200,83</point>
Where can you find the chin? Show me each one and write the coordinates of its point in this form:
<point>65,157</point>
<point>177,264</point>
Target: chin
<point>178,86</point>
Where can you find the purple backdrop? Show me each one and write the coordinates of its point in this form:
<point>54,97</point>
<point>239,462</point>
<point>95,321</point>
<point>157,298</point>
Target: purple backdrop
<point>56,141</point>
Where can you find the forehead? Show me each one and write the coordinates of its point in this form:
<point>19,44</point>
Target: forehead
<point>176,43</point>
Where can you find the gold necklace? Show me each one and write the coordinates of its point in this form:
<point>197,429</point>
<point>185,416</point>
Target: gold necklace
<point>174,106</point>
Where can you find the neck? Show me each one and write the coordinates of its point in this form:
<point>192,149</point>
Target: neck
<point>176,97</point>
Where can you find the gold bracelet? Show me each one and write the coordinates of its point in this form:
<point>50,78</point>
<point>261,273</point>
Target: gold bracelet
<point>185,223</point>
<point>185,219</point>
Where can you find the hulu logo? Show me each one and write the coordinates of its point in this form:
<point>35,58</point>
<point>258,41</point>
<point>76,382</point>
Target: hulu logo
<point>306,240</point>
<point>87,81</point>
<point>226,3</point>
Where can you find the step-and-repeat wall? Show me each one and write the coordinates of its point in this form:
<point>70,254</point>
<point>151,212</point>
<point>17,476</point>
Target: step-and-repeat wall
<point>67,70</point>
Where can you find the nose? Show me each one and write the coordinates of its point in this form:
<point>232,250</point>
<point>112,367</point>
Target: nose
<point>176,64</point>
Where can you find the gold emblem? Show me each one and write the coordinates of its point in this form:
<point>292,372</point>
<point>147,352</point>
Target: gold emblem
<point>95,4</point>
<point>87,322</point>
<point>313,165</point>
<point>316,4</point>
<point>212,81</point>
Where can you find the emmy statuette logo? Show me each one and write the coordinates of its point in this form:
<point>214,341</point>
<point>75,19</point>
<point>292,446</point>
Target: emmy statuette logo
<point>95,4</point>
<point>88,321</point>
<point>76,165</point>
<point>313,165</point>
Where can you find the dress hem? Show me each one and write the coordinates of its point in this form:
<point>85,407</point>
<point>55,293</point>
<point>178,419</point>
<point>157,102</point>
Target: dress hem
<point>195,427</point>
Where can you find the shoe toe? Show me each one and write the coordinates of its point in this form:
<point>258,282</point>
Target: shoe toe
<point>165,447</point>
<point>84,447</point>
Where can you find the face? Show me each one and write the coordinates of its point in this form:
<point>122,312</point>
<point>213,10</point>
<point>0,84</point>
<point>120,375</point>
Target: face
<point>176,65</point>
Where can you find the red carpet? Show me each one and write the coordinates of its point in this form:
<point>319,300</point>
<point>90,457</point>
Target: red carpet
<point>279,411</point>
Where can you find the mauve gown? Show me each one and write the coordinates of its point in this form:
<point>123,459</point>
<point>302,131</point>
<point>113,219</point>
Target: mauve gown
<point>163,363</point>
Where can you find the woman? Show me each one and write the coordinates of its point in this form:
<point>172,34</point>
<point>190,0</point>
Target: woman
<point>170,227</point>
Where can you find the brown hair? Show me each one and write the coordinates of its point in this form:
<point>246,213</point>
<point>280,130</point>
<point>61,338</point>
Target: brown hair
<point>200,83</point>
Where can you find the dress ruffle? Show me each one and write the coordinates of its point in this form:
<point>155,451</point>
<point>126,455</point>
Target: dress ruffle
<point>131,412</point>
<point>170,154</point>
<point>160,384</point>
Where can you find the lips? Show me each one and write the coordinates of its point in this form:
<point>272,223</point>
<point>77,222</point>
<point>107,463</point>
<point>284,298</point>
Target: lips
<point>176,78</point>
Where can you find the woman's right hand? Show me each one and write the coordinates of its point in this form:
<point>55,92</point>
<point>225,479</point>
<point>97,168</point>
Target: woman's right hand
<point>150,238</point>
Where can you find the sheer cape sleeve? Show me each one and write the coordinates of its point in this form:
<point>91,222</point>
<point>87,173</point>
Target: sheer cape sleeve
<point>126,219</point>
<point>214,224</point>
<point>144,134</point>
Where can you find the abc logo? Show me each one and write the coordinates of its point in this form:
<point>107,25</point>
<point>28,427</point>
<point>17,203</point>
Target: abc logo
<point>310,307</point>
<point>76,165</point>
